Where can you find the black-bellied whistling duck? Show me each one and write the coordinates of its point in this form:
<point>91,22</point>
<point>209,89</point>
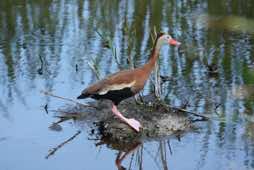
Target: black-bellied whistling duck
<point>127,83</point>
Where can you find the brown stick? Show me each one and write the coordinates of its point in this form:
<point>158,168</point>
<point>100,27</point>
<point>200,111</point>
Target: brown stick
<point>67,99</point>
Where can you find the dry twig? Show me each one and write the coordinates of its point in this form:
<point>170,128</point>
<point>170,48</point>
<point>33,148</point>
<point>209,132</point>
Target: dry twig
<point>67,99</point>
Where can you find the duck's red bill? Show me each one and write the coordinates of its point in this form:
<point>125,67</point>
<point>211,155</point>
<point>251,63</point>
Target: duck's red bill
<point>174,42</point>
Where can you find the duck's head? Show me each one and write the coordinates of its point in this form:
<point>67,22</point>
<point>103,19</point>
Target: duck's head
<point>164,38</point>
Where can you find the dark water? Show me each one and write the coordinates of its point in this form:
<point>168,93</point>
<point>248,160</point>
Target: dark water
<point>47,45</point>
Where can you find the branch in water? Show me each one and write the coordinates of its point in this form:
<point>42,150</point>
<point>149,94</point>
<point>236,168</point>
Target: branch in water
<point>193,113</point>
<point>67,99</point>
<point>53,151</point>
<point>168,107</point>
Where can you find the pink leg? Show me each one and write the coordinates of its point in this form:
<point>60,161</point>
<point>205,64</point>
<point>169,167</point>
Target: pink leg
<point>131,122</point>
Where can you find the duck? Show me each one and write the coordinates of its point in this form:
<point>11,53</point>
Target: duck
<point>127,83</point>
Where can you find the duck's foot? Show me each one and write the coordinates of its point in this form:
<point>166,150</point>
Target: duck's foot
<point>131,122</point>
<point>134,124</point>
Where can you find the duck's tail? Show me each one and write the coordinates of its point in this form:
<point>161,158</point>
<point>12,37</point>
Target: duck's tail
<point>83,96</point>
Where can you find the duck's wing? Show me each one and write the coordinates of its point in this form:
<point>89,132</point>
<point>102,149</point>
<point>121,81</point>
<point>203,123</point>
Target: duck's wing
<point>116,81</point>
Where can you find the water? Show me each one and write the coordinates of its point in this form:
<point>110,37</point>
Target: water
<point>216,35</point>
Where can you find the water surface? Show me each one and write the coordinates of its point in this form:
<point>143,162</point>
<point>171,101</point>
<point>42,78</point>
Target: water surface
<point>47,45</point>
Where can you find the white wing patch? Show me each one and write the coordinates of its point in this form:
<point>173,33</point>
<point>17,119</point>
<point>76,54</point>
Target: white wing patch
<point>115,87</point>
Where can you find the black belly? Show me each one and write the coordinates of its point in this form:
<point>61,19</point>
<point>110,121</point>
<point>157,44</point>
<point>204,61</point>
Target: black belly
<point>116,96</point>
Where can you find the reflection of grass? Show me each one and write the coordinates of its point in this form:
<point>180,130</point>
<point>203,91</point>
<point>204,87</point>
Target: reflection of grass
<point>248,75</point>
<point>249,130</point>
<point>248,89</point>
<point>94,67</point>
<point>159,158</point>
<point>249,106</point>
<point>108,42</point>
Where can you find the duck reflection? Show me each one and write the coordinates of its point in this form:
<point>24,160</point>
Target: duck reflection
<point>129,150</point>
<point>125,150</point>
<point>137,150</point>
